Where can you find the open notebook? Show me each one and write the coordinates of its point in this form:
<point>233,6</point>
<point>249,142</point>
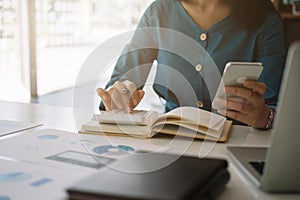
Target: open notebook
<point>182,121</point>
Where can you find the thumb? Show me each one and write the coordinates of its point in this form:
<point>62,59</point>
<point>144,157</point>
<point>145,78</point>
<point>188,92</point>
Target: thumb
<point>102,93</point>
<point>106,100</point>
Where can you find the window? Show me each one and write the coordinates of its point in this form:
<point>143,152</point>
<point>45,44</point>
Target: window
<point>11,85</point>
<point>66,31</point>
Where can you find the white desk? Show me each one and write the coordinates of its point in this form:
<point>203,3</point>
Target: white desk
<point>61,118</point>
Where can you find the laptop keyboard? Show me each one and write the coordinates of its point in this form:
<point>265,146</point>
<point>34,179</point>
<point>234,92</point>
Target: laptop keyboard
<point>258,166</point>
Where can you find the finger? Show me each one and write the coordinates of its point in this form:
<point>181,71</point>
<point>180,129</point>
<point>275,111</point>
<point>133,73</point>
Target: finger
<point>124,95</point>
<point>132,88</point>
<point>116,98</point>
<point>240,105</point>
<point>132,105</point>
<point>101,93</point>
<point>259,87</point>
<point>141,94</point>
<point>249,95</point>
<point>242,117</point>
<point>105,97</point>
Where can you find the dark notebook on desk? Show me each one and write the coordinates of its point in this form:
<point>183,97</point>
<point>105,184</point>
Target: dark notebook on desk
<point>184,178</point>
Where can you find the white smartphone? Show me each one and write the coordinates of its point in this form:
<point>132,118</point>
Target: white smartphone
<point>234,75</point>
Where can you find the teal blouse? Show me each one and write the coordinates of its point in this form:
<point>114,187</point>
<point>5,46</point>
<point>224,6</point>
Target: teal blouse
<point>188,74</point>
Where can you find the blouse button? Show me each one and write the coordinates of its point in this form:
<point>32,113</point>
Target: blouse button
<point>198,68</point>
<point>200,104</point>
<point>203,37</point>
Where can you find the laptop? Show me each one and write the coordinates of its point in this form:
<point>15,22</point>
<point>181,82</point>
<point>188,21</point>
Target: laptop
<point>277,168</point>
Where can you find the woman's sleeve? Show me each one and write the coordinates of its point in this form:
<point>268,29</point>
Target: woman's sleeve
<point>137,57</point>
<point>272,53</point>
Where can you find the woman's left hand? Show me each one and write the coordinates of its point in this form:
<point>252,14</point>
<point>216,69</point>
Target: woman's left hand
<point>252,110</point>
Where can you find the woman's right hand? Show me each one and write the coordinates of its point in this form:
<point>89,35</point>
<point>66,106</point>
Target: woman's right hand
<point>121,95</point>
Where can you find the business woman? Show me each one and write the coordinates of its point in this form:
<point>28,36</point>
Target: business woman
<point>229,30</point>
